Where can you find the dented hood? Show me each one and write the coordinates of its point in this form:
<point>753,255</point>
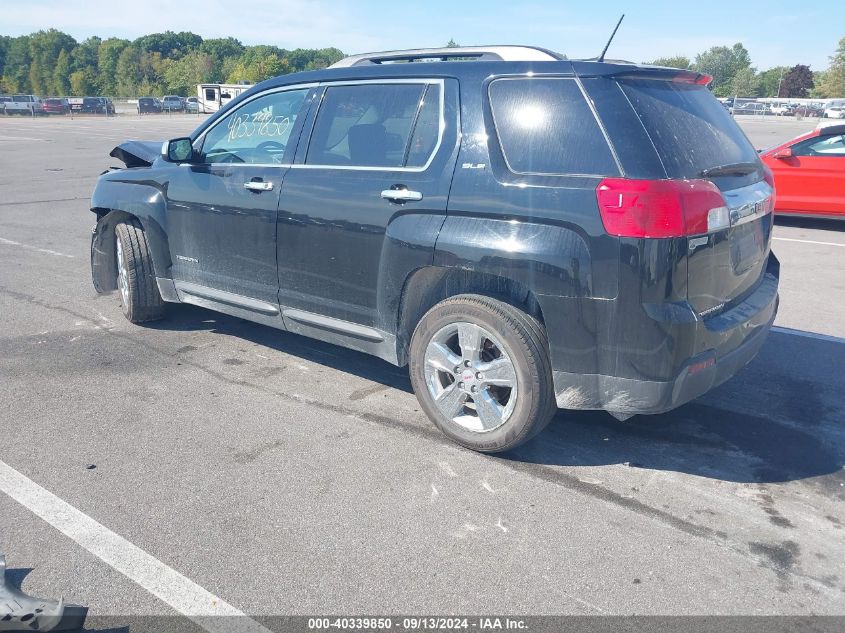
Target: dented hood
<point>137,153</point>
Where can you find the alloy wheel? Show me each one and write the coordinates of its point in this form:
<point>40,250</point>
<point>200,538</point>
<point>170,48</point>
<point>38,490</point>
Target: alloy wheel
<point>470,377</point>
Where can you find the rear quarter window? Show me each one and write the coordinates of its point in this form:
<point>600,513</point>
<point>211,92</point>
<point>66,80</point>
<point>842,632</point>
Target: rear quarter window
<point>545,126</point>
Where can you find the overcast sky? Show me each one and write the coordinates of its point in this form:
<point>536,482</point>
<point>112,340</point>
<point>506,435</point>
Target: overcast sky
<point>775,32</point>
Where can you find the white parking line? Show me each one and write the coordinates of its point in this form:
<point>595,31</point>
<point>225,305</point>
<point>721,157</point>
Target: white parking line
<point>19,138</point>
<point>35,248</point>
<point>164,582</point>
<point>792,239</point>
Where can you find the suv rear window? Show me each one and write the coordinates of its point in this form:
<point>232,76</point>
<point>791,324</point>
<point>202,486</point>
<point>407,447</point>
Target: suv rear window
<point>690,129</point>
<point>545,126</point>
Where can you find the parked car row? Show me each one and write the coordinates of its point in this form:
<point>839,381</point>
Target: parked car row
<point>782,108</point>
<point>168,103</point>
<point>32,105</point>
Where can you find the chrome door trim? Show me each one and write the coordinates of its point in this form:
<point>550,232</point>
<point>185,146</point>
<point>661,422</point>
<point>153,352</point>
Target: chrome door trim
<point>336,325</point>
<point>258,186</point>
<point>228,298</point>
<point>749,203</point>
<point>402,195</point>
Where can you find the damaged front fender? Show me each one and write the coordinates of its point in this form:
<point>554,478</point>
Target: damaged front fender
<point>137,153</point>
<point>116,199</point>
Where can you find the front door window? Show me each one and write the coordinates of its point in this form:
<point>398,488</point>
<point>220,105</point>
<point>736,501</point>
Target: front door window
<point>256,133</point>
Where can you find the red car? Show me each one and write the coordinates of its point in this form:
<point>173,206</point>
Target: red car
<point>810,173</point>
<point>55,106</point>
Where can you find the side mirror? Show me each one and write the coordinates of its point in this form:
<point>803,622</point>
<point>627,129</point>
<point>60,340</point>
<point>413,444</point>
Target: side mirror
<point>786,152</point>
<point>178,150</point>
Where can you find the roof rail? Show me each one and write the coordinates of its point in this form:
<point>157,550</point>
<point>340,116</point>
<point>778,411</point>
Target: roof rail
<point>480,53</point>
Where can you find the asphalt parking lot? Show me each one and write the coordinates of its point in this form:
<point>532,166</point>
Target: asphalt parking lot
<point>285,476</point>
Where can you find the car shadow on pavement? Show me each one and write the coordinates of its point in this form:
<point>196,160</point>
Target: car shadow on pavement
<point>780,419</point>
<point>821,224</point>
<point>16,575</point>
<point>191,318</point>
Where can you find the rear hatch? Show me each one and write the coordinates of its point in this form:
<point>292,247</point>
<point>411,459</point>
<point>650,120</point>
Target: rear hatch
<point>696,139</point>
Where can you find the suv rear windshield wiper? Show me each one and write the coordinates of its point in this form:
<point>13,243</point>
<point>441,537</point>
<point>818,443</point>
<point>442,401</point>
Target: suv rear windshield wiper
<point>731,169</point>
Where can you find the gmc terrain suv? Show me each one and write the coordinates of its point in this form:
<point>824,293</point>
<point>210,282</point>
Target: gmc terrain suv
<point>525,232</point>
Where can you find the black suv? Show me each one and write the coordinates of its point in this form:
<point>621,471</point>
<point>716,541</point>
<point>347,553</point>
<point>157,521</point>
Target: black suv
<point>525,232</point>
<point>147,105</point>
<point>97,105</point>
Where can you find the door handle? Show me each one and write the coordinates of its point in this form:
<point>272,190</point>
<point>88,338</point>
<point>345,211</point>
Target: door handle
<point>401,194</point>
<point>258,185</point>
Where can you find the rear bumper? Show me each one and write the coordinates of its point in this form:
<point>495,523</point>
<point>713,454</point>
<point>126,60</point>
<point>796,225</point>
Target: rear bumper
<point>731,340</point>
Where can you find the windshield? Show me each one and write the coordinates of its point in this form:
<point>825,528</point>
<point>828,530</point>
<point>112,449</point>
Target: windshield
<point>691,131</point>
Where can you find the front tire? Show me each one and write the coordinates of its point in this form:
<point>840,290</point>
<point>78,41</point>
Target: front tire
<point>136,282</point>
<point>480,369</point>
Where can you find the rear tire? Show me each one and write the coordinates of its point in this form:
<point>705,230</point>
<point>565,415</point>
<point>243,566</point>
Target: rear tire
<point>480,369</point>
<point>136,282</point>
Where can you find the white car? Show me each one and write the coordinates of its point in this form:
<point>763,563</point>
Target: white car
<point>837,112</point>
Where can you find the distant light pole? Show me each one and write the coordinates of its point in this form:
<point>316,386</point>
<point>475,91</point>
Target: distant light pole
<point>780,81</point>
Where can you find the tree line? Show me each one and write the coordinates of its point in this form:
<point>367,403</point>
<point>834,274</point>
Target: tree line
<point>53,63</point>
<point>734,75</point>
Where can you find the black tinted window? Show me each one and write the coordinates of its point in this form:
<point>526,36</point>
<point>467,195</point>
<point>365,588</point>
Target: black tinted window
<point>546,127</point>
<point>690,129</point>
<point>367,125</point>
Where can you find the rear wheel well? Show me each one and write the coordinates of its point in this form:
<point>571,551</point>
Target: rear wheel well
<point>427,287</point>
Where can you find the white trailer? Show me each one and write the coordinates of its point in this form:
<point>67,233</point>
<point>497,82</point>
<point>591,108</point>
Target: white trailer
<point>212,97</point>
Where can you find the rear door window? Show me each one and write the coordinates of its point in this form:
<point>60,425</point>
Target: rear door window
<point>393,125</point>
<point>689,128</point>
<point>545,126</point>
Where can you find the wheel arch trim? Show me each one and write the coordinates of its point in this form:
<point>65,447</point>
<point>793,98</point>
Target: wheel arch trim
<point>117,201</point>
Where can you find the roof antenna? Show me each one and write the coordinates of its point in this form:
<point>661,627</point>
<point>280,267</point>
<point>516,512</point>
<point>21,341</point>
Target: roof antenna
<point>612,35</point>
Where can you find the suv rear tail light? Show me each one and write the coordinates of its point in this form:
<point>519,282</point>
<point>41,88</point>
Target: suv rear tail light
<point>661,208</point>
<point>769,177</point>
